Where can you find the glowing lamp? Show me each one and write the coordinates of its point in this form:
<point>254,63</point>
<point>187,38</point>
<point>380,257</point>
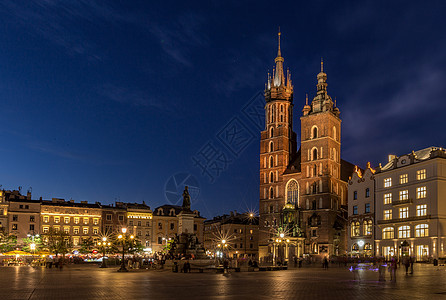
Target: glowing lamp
<point>361,243</point>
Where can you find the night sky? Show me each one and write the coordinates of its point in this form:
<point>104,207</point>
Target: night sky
<point>105,101</point>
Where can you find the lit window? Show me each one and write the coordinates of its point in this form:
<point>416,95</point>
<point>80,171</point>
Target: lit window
<point>66,230</point>
<point>403,179</point>
<point>95,231</point>
<point>355,210</point>
<point>355,195</point>
<point>388,233</point>
<point>387,198</point>
<point>388,214</point>
<point>67,220</point>
<point>403,232</point>
<point>56,219</point>
<point>422,230</point>
<point>46,229</point>
<point>95,221</point>
<point>85,230</point>
<point>76,230</point>
<point>421,210</point>
<point>404,195</point>
<point>76,220</point>
<point>388,182</point>
<point>367,227</point>
<point>355,229</point>
<point>404,212</point>
<point>421,174</point>
<point>421,192</point>
<point>85,221</point>
<point>46,219</point>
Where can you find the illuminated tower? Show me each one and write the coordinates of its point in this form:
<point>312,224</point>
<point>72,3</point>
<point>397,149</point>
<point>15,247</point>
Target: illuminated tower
<point>277,145</point>
<point>322,188</point>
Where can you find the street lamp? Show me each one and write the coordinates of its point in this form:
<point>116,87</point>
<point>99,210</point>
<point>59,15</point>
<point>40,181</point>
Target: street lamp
<point>32,246</point>
<point>122,238</point>
<point>104,245</point>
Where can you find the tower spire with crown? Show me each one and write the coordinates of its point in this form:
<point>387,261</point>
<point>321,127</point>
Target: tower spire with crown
<point>278,86</point>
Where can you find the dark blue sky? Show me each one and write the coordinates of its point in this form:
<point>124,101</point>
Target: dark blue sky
<point>105,100</point>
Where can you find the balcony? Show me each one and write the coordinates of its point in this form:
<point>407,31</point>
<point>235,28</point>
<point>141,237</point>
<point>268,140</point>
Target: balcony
<point>402,202</point>
<point>399,220</point>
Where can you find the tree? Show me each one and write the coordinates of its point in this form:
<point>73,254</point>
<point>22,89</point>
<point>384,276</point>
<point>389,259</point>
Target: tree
<point>57,242</point>
<point>86,246</point>
<point>28,241</point>
<point>135,246</point>
<point>8,242</point>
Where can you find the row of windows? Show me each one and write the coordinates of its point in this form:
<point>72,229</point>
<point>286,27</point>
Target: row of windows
<point>139,223</point>
<point>367,194</point>
<point>404,178</point>
<point>108,217</point>
<point>366,209</point>
<point>76,230</point>
<point>421,210</point>
<point>67,220</point>
<point>15,227</point>
<point>315,133</point>
<point>404,195</point>
<point>367,228</point>
<point>15,218</point>
<point>367,247</point>
<point>421,230</point>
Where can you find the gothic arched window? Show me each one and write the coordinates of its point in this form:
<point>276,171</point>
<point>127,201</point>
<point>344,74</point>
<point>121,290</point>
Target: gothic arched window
<point>292,192</point>
<point>271,147</point>
<point>271,132</point>
<point>314,132</point>
<point>271,193</point>
<point>271,177</point>
<point>271,162</point>
<point>314,153</point>
<point>334,133</point>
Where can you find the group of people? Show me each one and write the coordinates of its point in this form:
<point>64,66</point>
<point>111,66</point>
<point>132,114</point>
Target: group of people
<point>56,261</point>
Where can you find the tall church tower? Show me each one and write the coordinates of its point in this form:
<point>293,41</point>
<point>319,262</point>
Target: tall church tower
<point>277,145</point>
<point>322,191</point>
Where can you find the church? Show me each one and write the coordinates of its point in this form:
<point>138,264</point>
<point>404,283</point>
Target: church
<point>303,190</point>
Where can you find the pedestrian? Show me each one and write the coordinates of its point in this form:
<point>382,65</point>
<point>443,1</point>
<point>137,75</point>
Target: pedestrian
<point>392,269</point>
<point>406,263</point>
<point>56,262</point>
<point>411,259</point>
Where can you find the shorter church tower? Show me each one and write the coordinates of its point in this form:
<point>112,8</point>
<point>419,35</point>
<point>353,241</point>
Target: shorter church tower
<point>322,192</point>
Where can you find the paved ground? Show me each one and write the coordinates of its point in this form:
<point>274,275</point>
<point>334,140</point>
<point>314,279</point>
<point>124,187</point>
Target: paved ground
<point>90,282</point>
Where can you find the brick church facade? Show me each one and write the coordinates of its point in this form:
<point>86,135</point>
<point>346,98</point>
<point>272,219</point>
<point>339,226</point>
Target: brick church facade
<point>303,190</point>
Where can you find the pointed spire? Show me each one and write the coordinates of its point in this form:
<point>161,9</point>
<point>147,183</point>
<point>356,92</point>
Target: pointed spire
<point>306,99</point>
<point>322,65</point>
<point>279,54</point>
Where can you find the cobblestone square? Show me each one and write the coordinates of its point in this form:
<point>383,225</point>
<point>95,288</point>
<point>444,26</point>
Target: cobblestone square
<point>91,282</point>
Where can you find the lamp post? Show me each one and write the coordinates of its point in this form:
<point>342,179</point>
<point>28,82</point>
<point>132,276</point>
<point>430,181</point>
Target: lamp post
<point>122,237</point>
<point>32,246</point>
<point>104,247</point>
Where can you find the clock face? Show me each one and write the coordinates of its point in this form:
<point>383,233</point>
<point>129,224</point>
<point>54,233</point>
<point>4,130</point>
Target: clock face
<point>403,161</point>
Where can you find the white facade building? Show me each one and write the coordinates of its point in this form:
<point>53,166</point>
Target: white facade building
<point>410,202</point>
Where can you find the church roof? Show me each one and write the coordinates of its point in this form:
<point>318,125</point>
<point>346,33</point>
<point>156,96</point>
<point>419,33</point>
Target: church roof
<point>347,170</point>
